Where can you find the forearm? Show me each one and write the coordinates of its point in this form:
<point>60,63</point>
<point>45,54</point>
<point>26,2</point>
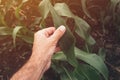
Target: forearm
<point>32,70</point>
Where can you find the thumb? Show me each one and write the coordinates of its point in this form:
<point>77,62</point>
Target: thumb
<point>58,33</point>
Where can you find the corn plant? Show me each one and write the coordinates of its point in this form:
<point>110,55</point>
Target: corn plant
<point>66,63</point>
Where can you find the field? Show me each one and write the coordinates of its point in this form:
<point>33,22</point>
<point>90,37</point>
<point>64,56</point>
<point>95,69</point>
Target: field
<point>93,29</point>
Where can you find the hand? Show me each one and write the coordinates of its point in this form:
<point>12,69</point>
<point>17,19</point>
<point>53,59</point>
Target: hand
<point>44,46</point>
<point>45,42</point>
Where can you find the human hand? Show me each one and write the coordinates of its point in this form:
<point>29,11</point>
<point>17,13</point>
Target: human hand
<point>45,42</point>
<point>44,46</point>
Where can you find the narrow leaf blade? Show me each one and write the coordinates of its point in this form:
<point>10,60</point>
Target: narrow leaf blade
<point>14,34</point>
<point>94,61</point>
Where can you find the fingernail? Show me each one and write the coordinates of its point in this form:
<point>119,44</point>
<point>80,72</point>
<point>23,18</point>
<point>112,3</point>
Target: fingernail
<point>62,28</point>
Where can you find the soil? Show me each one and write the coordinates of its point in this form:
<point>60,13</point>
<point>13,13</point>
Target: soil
<point>12,58</point>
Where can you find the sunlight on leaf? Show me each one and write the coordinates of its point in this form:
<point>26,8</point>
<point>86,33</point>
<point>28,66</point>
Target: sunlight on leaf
<point>2,21</point>
<point>63,10</point>
<point>4,31</point>
<point>44,8</point>
<point>14,34</point>
<point>17,11</point>
<point>23,1</point>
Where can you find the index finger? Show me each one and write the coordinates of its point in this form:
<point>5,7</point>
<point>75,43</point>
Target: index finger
<point>46,32</point>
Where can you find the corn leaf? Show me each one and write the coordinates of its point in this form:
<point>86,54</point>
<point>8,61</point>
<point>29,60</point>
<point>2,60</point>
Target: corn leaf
<point>23,1</point>
<point>27,35</point>
<point>14,34</point>
<point>18,9</point>
<point>67,75</point>
<point>4,31</point>
<point>92,59</point>
<point>87,71</point>
<point>63,10</point>
<point>44,8</point>
<point>82,27</point>
<point>84,7</point>
<point>67,42</point>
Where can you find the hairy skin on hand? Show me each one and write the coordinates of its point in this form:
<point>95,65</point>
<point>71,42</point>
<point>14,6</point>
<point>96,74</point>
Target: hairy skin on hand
<point>44,46</point>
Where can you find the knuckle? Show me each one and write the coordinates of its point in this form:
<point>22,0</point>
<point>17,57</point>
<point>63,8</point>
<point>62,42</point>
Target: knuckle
<point>37,33</point>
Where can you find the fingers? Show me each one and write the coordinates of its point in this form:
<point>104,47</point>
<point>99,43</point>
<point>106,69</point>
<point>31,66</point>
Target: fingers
<point>58,33</point>
<point>46,32</point>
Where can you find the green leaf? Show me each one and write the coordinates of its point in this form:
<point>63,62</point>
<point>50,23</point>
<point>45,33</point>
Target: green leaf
<point>67,42</point>
<point>14,34</point>
<point>5,31</point>
<point>63,10</point>
<point>91,59</point>
<point>87,71</point>
<point>94,61</point>
<point>18,9</point>
<point>67,75</point>
<point>23,1</point>
<point>78,74</point>
<point>26,35</point>
<point>44,8</point>
<point>82,27</point>
<point>84,7</point>
<point>59,56</point>
<point>102,54</point>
